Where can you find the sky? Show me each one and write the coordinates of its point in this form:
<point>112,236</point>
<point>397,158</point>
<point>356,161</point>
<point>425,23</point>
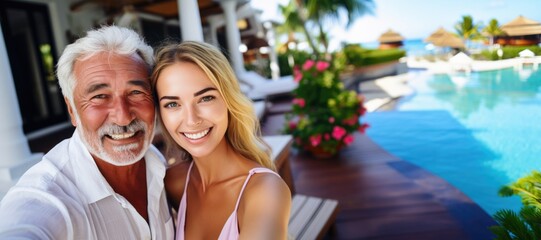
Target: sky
<point>416,19</point>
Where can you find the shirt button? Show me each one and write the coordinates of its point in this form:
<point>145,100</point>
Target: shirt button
<point>121,200</point>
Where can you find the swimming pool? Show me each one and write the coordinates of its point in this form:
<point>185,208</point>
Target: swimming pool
<point>478,131</point>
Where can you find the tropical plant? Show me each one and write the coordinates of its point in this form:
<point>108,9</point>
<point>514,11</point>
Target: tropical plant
<point>300,15</point>
<point>509,52</point>
<point>295,21</point>
<point>321,10</point>
<point>324,115</point>
<point>492,29</point>
<point>358,56</point>
<point>467,29</point>
<point>526,224</point>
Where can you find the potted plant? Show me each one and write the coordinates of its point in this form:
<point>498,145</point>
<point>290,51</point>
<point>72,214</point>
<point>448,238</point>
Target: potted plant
<point>324,115</point>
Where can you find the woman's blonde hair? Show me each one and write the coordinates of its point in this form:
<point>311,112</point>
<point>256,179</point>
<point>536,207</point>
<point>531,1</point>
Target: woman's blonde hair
<point>243,132</point>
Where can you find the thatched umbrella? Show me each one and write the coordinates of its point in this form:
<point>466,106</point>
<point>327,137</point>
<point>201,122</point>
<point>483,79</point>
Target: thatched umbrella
<point>522,26</point>
<point>390,36</point>
<point>436,34</point>
<point>443,38</point>
<point>448,39</point>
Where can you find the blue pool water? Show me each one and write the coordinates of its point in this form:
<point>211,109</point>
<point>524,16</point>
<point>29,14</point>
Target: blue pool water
<point>477,131</point>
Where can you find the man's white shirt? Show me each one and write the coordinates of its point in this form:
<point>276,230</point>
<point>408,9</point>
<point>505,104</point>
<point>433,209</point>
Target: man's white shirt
<point>64,196</point>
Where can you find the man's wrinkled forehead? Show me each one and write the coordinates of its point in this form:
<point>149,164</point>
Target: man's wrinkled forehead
<point>89,63</point>
<point>107,57</point>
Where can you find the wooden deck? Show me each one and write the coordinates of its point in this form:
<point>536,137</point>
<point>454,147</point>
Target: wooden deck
<point>381,196</point>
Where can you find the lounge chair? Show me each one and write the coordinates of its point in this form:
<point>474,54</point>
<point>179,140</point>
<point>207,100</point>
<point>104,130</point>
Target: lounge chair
<point>257,87</point>
<point>260,108</point>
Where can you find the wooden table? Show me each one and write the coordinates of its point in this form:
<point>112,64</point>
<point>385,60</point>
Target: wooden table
<point>280,147</point>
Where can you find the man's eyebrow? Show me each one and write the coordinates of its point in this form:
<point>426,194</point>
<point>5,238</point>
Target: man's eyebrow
<point>95,87</point>
<point>204,91</point>
<point>142,83</point>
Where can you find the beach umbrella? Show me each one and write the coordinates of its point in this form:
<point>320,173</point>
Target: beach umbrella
<point>435,35</point>
<point>448,39</point>
<point>390,36</point>
<point>522,26</point>
<point>526,53</point>
<point>460,58</point>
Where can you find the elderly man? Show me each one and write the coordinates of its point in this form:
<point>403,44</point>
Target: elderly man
<point>106,181</point>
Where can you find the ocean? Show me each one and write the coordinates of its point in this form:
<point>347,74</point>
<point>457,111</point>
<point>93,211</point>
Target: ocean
<point>413,47</point>
<point>418,48</point>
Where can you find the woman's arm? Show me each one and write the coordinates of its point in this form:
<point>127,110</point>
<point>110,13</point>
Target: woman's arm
<point>264,208</point>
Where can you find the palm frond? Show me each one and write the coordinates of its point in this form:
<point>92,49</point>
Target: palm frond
<point>514,225</point>
<point>532,216</point>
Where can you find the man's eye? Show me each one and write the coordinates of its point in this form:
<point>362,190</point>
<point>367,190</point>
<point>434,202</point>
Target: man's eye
<point>170,105</point>
<point>207,98</point>
<point>136,92</point>
<point>99,96</point>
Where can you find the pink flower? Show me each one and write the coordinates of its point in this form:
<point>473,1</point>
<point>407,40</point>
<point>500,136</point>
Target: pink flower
<point>297,74</point>
<point>292,125</point>
<point>326,136</point>
<point>363,127</point>
<point>331,119</point>
<point>362,110</point>
<point>351,121</point>
<point>348,139</point>
<point>299,101</point>
<point>315,140</point>
<point>308,64</point>
<point>338,132</point>
<point>321,65</point>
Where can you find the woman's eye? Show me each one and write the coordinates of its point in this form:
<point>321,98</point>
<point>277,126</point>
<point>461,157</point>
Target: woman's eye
<point>171,105</point>
<point>207,98</point>
<point>136,92</point>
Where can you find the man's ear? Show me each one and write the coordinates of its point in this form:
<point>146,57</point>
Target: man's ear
<point>71,112</point>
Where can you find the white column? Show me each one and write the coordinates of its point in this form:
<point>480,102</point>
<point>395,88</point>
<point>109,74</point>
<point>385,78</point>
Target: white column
<point>215,21</point>
<point>190,20</point>
<point>233,35</point>
<point>16,156</point>
<point>271,39</point>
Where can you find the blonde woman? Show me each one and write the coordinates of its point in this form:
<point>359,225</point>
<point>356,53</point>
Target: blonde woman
<point>225,186</point>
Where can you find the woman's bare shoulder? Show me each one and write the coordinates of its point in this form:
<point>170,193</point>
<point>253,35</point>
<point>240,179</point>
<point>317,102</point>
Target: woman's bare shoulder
<point>175,179</point>
<point>265,188</point>
<point>265,207</point>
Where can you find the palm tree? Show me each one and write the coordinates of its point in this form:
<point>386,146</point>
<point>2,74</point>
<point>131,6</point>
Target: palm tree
<point>299,13</point>
<point>492,29</point>
<point>320,10</point>
<point>467,29</point>
<point>295,21</point>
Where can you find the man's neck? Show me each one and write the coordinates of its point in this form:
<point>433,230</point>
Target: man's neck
<point>129,181</point>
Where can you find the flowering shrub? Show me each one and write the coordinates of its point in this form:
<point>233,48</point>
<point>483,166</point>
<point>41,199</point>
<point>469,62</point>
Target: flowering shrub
<point>324,115</point>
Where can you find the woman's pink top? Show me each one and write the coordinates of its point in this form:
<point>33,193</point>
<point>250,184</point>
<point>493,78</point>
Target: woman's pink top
<point>231,226</point>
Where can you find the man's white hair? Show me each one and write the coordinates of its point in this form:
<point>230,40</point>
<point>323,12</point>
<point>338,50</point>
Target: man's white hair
<point>111,39</point>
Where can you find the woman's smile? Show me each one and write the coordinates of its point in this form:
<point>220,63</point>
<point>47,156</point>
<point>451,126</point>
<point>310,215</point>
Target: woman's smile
<point>197,135</point>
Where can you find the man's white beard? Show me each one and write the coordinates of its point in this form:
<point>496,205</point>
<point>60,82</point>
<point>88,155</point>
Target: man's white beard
<point>124,156</point>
